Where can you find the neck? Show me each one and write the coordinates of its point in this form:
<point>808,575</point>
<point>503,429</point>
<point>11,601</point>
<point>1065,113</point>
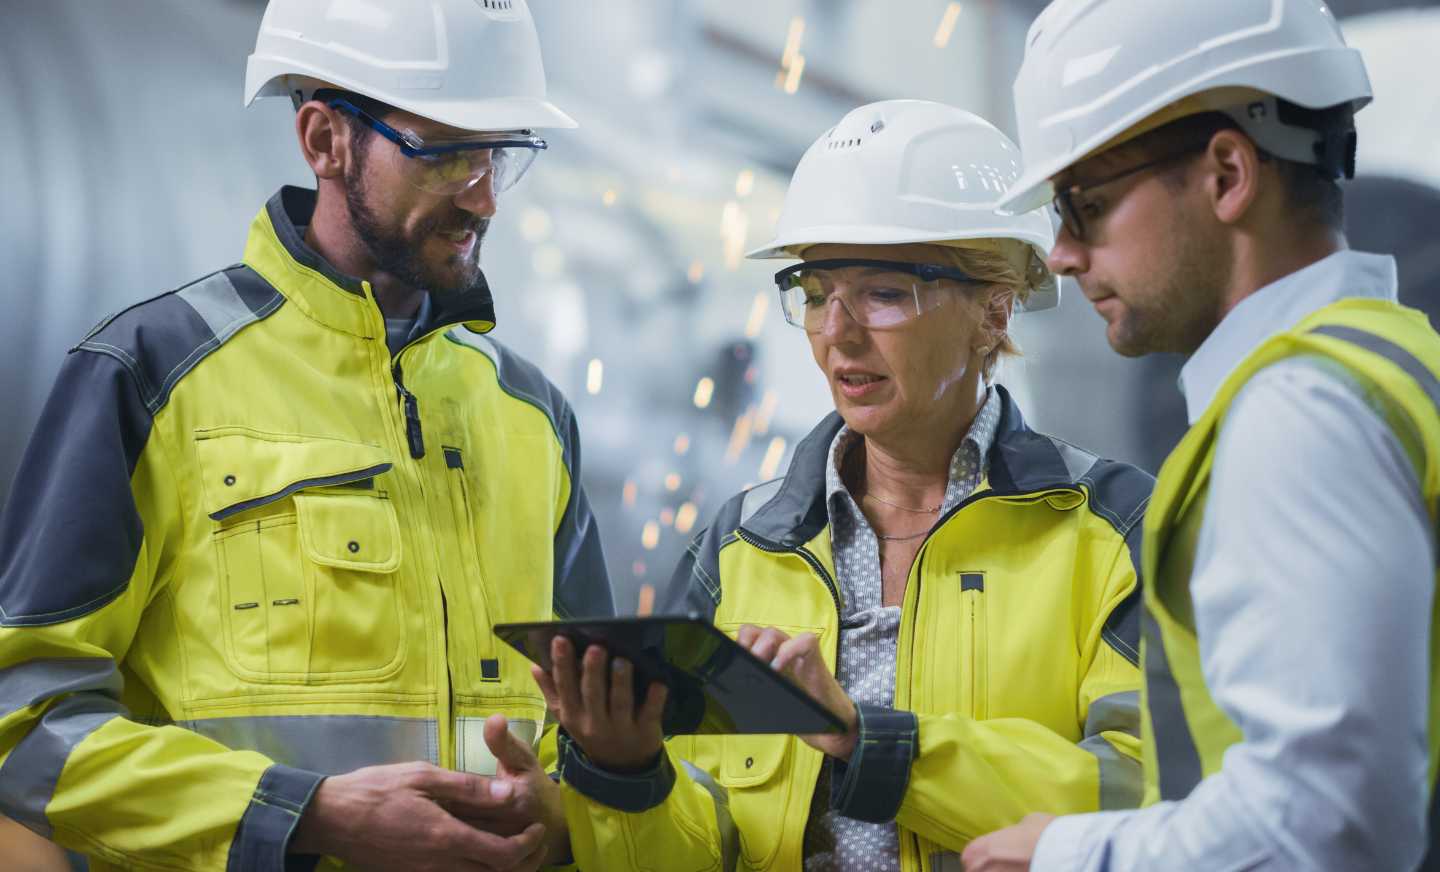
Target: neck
<point>332,235</point>
<point>913,469</point>
<point>1264,260</point>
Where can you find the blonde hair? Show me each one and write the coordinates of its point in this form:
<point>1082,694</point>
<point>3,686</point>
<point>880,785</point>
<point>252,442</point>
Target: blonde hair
<point>1009,269</point>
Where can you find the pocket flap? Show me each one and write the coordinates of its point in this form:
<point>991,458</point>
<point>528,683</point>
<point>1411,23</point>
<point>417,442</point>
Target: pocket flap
<point>752,760</point>
<point>349,531</point>
<point>243,469</point>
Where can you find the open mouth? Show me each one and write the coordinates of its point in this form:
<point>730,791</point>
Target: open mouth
<point>856,380</point>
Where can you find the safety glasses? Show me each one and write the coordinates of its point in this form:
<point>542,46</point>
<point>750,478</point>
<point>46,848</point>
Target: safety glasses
<point>451,167</point>
<point>875,293</point>
<point>1075,208</point>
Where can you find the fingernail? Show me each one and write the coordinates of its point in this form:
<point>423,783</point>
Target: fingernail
<point>619,666</point>
<point>501,789</point>
<point>775,664</point>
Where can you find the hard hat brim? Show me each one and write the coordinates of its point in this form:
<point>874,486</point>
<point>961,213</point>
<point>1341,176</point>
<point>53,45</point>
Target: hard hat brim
<point>781,247</point>
<point>478,116</point>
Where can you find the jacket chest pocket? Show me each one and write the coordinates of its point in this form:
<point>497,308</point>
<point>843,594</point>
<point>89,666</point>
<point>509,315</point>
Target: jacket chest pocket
<point>307,549</point>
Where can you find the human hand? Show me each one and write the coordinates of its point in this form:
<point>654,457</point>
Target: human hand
<point>595,703</point>
<point>1007,850</point>
<point>407,816</point>
<point>524,793</point>
<point>801,660</point>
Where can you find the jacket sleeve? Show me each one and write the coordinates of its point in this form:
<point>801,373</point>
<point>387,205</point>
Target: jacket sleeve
<point>672,817</point>
<point>88,544</point>
<point>968,777</point>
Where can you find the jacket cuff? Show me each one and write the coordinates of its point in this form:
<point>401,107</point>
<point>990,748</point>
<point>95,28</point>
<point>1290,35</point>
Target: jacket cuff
<point>269,821</point>
<point>872,785</point>
<point>630,792</point>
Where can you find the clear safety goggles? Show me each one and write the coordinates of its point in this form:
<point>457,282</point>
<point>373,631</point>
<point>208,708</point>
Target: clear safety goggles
<point>875,293</point>
<point>451,167</point>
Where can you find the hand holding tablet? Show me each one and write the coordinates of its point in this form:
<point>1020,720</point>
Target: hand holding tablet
<point>712,685</point>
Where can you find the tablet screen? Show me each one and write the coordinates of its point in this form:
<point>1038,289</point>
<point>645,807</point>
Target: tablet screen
<point>715,685</point>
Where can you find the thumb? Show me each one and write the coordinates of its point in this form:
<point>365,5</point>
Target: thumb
<point>513,755</point>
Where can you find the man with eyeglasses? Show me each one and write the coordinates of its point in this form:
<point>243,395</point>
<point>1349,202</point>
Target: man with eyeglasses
<point>252,557</point>
<point>1193,153</point>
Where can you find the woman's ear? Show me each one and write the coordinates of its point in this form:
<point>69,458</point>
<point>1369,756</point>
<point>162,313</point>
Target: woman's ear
<point>998,308</point>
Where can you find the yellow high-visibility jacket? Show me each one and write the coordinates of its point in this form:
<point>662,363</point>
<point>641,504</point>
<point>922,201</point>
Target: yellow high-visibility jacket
<point>247,548</point>
<point>1017,680</point>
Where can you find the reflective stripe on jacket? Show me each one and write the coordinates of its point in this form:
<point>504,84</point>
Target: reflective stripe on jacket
<point>1017,684</point>
<point>246,548</point>
<point>1391,357</point>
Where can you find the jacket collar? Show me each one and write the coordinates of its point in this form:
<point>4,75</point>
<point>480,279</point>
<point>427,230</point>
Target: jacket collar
<point>1021,462</point>
<point>277,250</point>
<point>1278,307</point>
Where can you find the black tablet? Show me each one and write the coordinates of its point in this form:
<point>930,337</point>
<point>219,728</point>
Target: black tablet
<point>715,685</point>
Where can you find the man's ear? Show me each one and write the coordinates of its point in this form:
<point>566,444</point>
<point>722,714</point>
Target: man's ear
<point>324,139</point>
<point>1232,166</point>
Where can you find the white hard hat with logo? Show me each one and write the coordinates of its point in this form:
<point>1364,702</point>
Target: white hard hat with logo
<point>1097,70</point>
<point>470,64</point>
<point>903,171</point>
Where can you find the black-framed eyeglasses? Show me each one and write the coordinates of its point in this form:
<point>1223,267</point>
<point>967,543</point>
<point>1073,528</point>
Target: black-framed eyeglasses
<point>1072,206</point>
<point>453,167</point>
<point>875,293</point>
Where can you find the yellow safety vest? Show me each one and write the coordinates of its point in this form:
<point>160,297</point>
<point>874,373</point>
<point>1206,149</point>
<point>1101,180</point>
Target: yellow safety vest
<point>1393,355</point>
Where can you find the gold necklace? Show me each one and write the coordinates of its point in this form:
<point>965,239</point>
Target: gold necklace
<point>879,535</point>
<point>879,499</point>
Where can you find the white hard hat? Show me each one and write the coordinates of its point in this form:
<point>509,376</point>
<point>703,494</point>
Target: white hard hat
<point>1094,69</point>
<point>471,64</point>
<point>903,171</point>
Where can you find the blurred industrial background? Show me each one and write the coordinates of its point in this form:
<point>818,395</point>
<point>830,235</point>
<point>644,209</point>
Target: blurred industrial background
<point>129,167</point>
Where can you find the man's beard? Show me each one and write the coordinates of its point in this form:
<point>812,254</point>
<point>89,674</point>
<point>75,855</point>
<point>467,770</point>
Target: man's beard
<point>1181,304</point>
<point>399,254</point>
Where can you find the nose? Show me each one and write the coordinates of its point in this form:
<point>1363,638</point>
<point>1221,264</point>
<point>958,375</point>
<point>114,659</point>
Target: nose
<point>479,199</point>
<point>837,323</point>
<point>1069,256</point>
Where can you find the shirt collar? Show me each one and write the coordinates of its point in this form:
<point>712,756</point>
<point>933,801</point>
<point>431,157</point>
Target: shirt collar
<point>1275,308</point>
<point>979,439</point>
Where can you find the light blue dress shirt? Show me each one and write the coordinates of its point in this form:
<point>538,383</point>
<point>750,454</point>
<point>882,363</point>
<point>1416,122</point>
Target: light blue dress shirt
<point>1312,587</point>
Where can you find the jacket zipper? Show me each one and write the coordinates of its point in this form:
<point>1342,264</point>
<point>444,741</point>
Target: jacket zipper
<point>410,412</point>
<point>919,573</point>
<point>410,407</point>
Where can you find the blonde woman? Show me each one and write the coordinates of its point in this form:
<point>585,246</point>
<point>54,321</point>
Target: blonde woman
<point>960,589</point>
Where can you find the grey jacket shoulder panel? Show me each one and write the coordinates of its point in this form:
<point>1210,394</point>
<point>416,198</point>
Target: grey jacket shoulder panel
<point>162,339</point>
<point>76,472</point>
